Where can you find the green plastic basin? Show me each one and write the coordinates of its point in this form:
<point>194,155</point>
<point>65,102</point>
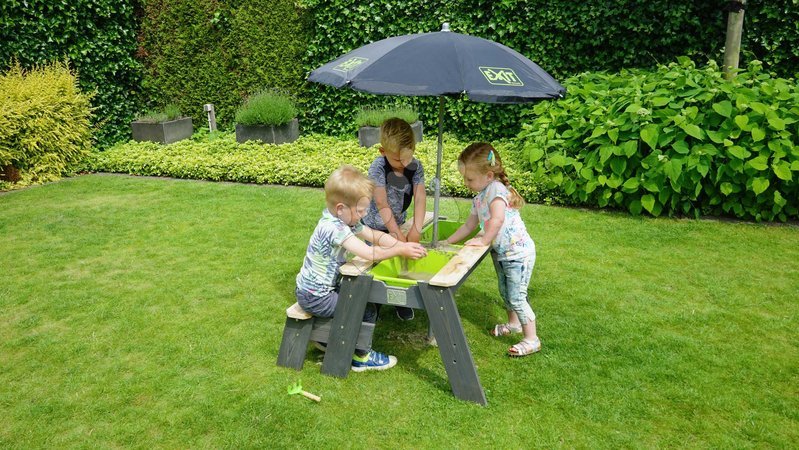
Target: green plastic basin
<point>392,272</point>
<point>446,228</point>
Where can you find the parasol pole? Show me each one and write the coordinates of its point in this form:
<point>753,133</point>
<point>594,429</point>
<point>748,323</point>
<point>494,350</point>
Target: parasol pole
<point>437,180</point>
<point>439,154</point>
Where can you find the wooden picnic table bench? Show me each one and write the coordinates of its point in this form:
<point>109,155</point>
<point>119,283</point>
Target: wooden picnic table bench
<point>345,331</point>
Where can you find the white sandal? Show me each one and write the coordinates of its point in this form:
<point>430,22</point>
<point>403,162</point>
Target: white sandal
<point>505,329</point>
<point>525,347</point>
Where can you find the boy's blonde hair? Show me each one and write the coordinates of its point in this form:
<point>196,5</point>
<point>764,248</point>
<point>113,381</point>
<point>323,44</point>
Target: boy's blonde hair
<point>396,135</point>
<point>483,158</point>
<point>347,185</point>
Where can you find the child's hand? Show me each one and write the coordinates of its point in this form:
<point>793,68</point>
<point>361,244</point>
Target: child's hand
<point>413,235</point>
<point>399,236</point>
<point>413,250</point>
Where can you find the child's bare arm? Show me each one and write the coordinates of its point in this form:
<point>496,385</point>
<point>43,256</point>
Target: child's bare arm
<point>377,238</point>
<point>381,200</point>
<point>463,231</point>
<point>492,226</point>
<point>419,207</point>
<point>384,246</point>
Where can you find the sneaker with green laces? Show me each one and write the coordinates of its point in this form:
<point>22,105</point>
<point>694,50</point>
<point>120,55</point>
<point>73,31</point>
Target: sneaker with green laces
<point>373,361</point>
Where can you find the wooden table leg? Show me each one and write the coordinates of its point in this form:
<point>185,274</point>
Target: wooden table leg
<point>448,330</point>
<point>346,324</point>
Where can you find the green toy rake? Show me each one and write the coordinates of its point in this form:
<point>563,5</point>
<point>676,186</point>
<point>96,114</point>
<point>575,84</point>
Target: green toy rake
<point>296,388</point>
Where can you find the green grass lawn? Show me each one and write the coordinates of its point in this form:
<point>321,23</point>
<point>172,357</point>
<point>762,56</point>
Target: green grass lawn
<point>140,312</point>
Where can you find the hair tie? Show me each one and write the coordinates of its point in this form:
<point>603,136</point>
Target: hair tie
<point>492,161</point>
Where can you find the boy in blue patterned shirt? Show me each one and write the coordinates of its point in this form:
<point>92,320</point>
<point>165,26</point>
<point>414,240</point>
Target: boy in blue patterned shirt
<point>347,194</point>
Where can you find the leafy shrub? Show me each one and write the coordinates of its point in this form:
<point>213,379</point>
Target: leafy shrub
<point>374,117</point>
<point>677,140</point>
<point>169,112</point>
<point>305,162</point>
<point>267,108</point>
<point>44,127</point>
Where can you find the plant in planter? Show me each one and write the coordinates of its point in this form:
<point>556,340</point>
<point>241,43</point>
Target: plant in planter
<point>163,126</point>
<point>269,117</point>
<point>368,121</point>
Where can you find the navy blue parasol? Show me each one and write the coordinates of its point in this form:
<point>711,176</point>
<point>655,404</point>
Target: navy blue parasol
<point>441,64</point>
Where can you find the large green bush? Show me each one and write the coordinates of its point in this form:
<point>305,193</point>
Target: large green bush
<point>44,125</point>
<point>677,140</point>
<point>220,52</point>
<point>98,37</point>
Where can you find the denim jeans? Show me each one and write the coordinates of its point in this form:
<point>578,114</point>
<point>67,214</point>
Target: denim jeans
<point>514,279</point>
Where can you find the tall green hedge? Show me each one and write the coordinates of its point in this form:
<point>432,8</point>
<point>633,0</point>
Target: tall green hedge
<point>218,52</point>
<point>771,35</point>
<point>98,37</point>
<point>563,36</point>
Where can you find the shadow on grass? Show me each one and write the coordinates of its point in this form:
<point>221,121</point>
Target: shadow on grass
<point>409,340</point>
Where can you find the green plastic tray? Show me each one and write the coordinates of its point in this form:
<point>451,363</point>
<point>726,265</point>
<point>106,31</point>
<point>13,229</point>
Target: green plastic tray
<point>389,271</point>
<point>445,229</point>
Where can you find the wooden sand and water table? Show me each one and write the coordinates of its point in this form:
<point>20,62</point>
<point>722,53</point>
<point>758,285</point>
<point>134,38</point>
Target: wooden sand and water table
<point>428,284</point>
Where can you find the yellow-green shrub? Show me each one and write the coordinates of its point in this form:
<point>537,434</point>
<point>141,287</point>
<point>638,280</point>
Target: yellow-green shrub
<point>44,124</point>
<point>305,162</point>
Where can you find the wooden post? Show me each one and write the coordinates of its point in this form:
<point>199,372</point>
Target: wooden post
<point>732,48</point>
<point>209,108</point>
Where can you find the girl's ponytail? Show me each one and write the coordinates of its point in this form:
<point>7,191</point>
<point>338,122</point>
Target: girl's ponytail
<point>516,200</point>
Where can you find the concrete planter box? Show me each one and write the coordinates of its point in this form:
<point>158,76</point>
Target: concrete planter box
<point>268,134</point>
<point>162,132</point>
<point>369,136</point>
